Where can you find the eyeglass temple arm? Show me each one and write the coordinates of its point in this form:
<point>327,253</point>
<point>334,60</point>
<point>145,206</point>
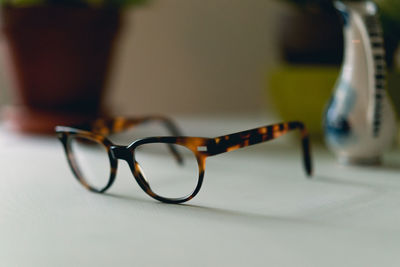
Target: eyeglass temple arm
<point>109,126</point>
<point>238,140</point>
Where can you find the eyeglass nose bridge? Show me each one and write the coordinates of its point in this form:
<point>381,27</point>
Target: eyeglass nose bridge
<point>124,153</point>
<point>121,152</point>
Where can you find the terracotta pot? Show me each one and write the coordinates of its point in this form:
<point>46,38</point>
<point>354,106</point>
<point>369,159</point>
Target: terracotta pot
<point>58,60</point>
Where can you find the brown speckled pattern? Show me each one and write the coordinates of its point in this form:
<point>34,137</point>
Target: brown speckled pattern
<point>235,141</point>
<point>201,147</point>
<point>107,126</point>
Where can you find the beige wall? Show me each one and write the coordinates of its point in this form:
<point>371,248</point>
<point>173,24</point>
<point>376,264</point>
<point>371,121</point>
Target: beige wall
<point>190,56</point>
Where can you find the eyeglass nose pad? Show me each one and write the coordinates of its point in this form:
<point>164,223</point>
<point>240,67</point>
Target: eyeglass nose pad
<point>141,173</point>
<point>141,179</point>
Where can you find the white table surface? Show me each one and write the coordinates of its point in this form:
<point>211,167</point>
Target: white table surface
<point>256,208</point>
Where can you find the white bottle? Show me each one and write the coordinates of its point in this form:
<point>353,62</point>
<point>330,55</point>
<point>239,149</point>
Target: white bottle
<point>360,121</point>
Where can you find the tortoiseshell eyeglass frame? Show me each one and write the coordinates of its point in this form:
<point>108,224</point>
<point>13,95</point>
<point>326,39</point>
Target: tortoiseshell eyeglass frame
<point>201,147</point>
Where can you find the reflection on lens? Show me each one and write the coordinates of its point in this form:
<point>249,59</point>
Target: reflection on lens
<point>166,176</point>
<point>91,161</point>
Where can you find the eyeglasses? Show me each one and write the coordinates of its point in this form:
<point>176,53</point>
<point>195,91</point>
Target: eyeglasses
<point>169,169</point>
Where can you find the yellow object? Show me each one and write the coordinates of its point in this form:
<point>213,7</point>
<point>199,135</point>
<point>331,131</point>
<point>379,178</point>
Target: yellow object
<point>301,92</point>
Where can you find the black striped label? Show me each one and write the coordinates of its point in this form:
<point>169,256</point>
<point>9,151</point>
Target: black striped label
<point>377,45</point>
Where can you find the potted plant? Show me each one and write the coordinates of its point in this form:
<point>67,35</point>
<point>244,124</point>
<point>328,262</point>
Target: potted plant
<point>57,55</point>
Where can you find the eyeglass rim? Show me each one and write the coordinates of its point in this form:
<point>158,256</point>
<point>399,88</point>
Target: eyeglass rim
<point>66,135</point>
<point>138,174</point>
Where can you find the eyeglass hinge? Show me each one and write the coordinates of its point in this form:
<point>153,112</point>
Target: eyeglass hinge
<point>202,149</point>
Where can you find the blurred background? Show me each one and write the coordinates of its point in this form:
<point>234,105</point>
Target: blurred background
<point>207,57</point>
<point>190,56</point>
<point>196,56</point>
